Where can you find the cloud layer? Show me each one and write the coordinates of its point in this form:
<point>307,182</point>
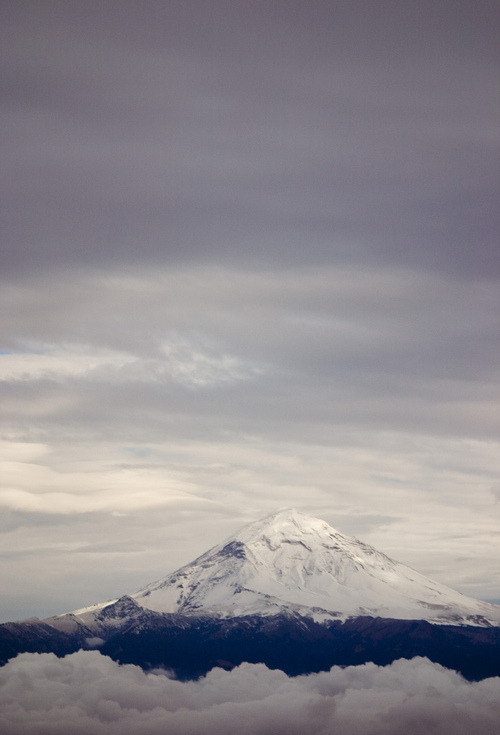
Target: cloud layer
<point>89,694</point>
<point>251,133</point>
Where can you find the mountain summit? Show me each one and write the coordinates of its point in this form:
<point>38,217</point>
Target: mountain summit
<point>293,563</point>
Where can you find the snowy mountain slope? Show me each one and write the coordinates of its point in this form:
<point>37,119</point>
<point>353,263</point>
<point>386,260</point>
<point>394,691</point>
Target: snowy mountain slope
<point>291,563</point>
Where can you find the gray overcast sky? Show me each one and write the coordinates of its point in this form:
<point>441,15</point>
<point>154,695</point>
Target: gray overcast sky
<point>250,259</point>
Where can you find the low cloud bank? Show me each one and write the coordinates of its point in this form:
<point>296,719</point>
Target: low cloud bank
<point>89,694</point>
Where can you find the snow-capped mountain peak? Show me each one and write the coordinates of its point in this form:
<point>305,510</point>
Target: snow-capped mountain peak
<point>292,562</point>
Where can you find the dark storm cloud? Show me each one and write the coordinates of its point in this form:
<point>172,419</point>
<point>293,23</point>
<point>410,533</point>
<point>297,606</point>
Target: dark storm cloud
<point>87,693</point>
<point>251,133</point>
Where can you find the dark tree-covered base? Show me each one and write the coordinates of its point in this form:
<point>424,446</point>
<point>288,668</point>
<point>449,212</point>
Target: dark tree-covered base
<point>192,646</point>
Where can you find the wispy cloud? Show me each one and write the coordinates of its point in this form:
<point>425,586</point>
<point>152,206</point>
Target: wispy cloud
<point>181,360</point>
<point>195,367</point>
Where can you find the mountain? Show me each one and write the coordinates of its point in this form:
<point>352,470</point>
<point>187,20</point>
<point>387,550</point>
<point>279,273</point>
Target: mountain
<point>289,591</point>
<point>293,563</point>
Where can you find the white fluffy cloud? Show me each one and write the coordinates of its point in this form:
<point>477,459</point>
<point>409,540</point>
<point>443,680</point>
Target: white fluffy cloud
<point>87,693</point>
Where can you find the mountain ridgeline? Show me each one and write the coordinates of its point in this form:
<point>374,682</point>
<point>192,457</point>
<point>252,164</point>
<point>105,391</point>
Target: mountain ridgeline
<point>288,591</point>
